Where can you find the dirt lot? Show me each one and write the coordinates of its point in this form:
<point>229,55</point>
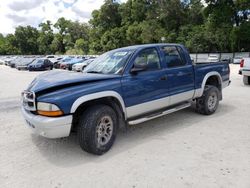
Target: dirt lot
<point>183,149</point>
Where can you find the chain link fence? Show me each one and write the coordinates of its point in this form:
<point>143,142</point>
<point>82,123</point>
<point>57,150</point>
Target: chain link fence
<point>227,57</point>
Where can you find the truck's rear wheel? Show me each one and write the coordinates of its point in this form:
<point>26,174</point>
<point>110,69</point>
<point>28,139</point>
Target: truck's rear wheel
<point>97,129</point>
<point>208,103</point>
<point>246,80</point>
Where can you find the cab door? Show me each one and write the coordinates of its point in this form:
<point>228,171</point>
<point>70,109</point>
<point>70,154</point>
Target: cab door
<point>180,74</point>
<point>146,90</point>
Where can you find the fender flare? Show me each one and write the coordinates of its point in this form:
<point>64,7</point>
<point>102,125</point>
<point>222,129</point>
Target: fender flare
<point>98,95</point>
<point>199,92</point>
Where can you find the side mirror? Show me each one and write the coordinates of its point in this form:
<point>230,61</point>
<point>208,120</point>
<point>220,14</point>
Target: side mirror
<point>138,68</point>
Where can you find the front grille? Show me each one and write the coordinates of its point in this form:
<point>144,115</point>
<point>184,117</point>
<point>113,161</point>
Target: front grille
<point>29,100</point>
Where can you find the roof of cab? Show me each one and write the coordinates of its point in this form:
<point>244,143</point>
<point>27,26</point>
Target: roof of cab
<point>135,47</point>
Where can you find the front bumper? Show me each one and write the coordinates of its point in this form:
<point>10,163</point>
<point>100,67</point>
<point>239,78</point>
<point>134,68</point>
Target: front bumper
<point>76,69</point>
<point>22,67</point>
<point>49,127</point>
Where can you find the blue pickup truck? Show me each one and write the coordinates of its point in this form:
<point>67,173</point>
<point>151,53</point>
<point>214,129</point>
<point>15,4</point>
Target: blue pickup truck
<point>126,86</point>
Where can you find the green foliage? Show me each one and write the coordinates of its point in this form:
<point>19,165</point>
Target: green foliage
<point>217,26</point>
<point>26,39</point>
<point>45,38</point>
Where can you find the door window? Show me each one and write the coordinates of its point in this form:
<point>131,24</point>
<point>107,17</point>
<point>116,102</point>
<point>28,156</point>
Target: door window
<point>172,56</point>
<point>148,57</point>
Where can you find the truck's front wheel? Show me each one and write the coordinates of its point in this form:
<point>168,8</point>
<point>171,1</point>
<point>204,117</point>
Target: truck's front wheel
<point>208,103</point>
<point>97,129</point>
<point>246,80</point>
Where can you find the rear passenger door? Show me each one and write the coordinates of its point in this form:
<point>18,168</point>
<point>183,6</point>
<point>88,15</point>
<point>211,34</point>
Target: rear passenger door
<point>179,73</point>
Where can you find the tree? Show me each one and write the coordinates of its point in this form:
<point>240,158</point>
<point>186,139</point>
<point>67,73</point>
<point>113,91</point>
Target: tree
<point>2,45</point>
<point>26,39</point>
<point>82,45</point>
<point>59,42</point>
<point>11,45</point>
<point>107,17</point>
<point>113,39</point>
<point>45,38</point>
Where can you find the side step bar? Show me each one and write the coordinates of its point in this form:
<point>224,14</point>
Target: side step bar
<point>153,116</point>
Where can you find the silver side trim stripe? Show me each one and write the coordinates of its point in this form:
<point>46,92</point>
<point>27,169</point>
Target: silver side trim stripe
<point>146,107</point>
<point>141,120</point>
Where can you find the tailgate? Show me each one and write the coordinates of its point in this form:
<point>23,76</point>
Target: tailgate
<point>246,63</point>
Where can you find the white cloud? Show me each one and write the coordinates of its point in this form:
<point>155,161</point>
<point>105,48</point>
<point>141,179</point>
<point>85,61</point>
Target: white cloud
<point>31,12</point>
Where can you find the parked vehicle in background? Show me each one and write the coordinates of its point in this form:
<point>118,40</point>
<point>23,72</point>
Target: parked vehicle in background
<point>14,61</point>
<point>213,58</point>
<point>237,59</point>
<point>129,85</point>
<point>245,70</point>
<point>8,59</point>
<point>80,66</point>
<point>40,65</point>
<point>50,57</point>
<point>55,60</point>
<point>63,60</point>
<point>226,60</point>
<point>23,63</point>
<point>68,64</point>
<point>2,60</point>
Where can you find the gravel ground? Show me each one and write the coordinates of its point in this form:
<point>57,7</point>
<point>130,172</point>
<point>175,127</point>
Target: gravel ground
<point>183,149</point>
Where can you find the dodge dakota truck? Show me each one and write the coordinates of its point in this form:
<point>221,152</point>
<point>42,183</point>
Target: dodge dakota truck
<point>125,86</point>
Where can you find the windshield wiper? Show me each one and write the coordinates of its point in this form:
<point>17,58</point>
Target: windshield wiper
<point>98,72</point>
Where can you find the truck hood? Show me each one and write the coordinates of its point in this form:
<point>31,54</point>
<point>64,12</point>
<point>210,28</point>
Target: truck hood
<point>58,79</point>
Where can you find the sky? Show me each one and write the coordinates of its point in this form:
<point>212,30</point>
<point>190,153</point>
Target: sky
<point>32,12</point>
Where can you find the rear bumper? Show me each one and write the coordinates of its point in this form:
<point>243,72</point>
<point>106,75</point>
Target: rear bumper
<point>47,126</point>
<point>245,72</point>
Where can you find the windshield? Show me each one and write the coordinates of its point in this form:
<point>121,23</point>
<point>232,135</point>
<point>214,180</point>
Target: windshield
<point>67,59</point>
<point>111,62</point>
<point>27,60</point>
<point>38,61</point>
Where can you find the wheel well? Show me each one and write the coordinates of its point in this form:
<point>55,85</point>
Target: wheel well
<point>214,81</point>
<point>110,101</point>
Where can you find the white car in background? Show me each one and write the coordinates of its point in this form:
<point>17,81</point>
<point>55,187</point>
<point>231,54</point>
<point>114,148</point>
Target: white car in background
<point>213,58</point>
<point>245,70</point>
<point>2,62</point>
<point>237,59</point>
<point>78,67</point>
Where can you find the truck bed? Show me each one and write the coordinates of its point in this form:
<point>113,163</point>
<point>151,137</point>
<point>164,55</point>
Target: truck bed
<point>202,69</point>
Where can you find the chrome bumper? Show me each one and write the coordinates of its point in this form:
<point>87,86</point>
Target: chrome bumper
<point>49,127</point>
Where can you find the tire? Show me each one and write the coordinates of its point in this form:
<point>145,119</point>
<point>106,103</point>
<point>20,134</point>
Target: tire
<point>96,123</point>
<point>246,80</point>
<point>208,103</point>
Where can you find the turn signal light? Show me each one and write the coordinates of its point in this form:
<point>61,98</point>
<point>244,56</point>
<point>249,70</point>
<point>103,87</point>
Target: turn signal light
<point>50,113</point>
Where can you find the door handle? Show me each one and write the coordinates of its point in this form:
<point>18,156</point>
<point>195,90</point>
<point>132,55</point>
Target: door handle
<point>184,74</point>
<point>163,77</point>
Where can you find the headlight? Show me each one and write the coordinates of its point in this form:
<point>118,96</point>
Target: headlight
<point>48,109</point>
